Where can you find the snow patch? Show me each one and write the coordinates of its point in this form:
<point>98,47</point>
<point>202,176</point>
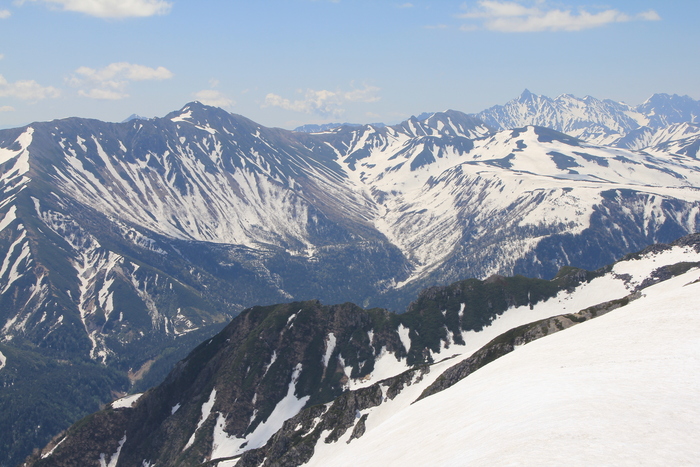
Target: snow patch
<point>24,140</point>
<point>386,365</point>
<point>206,410</point>
<point>403,335</point>
<point>182,117</point>
<point>330,347</point>
<point>10,216</point>
<point>347,369</point>
<point>16,261</point>
<point>114,458</point>
<point>44,456</point>
<point>273,359</point>
<point>228,446</point>
<point>126,402</point>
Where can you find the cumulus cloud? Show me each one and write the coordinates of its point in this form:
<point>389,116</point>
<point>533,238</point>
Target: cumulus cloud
<point>5,14</point>
<point>7,108</point>
<point>112,8</point>
<point>103,94</point>
<point>325,103</point>
<point>125,71</point>
<point>511,16</point>
<point>28,90</point>
<point>112,81</point>
<point>368,94</point>
<point>650,15</point>
<point>214,98</point>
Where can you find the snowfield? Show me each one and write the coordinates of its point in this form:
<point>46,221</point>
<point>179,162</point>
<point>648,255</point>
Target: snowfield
<point>622,389</point>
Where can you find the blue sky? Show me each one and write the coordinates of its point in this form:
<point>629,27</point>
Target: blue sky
<point>288,62</point>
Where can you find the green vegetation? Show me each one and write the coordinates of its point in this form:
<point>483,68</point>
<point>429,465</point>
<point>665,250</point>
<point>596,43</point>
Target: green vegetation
<point>42,396</point>
<point>438,308</point>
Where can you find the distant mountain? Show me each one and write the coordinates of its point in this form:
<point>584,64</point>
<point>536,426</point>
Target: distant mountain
<point>134,117</point>
<point>603,122</point>
<point>317,128</point>
<point>314,128</point>
<point>304,383</point>
<point>664,110</point>
<point>124,244</point>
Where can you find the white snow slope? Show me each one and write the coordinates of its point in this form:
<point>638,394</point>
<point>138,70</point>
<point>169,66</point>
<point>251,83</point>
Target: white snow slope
<point>621,389</point>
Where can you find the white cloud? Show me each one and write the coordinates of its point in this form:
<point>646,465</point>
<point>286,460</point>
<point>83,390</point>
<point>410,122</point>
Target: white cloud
<point>496,9</point>
<point>7,108</point>
<point>511,16</point>
<point>125,71</point>
<point>5,14</point>
<point>111,81</point>
<point>368,94</point>
<point>650,15</point>
<point>113,8</point>
<point>406,5</point>
<point>104,94</point>
<point>214,98</point>
<point>325,103</point>
<point>28,90</point>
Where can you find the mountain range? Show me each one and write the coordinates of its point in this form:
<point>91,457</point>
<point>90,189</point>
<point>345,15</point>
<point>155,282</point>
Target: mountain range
<point>123,245</point>
<point>604,122</point>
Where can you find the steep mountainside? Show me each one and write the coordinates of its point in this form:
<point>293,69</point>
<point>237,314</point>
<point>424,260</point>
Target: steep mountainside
<point>288,384</point>
<point>97,214</point>
<point>611,391</point>
<point>124,244</point>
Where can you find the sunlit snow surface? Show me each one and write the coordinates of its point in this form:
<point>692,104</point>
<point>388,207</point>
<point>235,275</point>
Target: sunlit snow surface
<point>3,361</point>
<point>622,389</point>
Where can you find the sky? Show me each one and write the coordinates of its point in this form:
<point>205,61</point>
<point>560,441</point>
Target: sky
<point>284,63</point>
